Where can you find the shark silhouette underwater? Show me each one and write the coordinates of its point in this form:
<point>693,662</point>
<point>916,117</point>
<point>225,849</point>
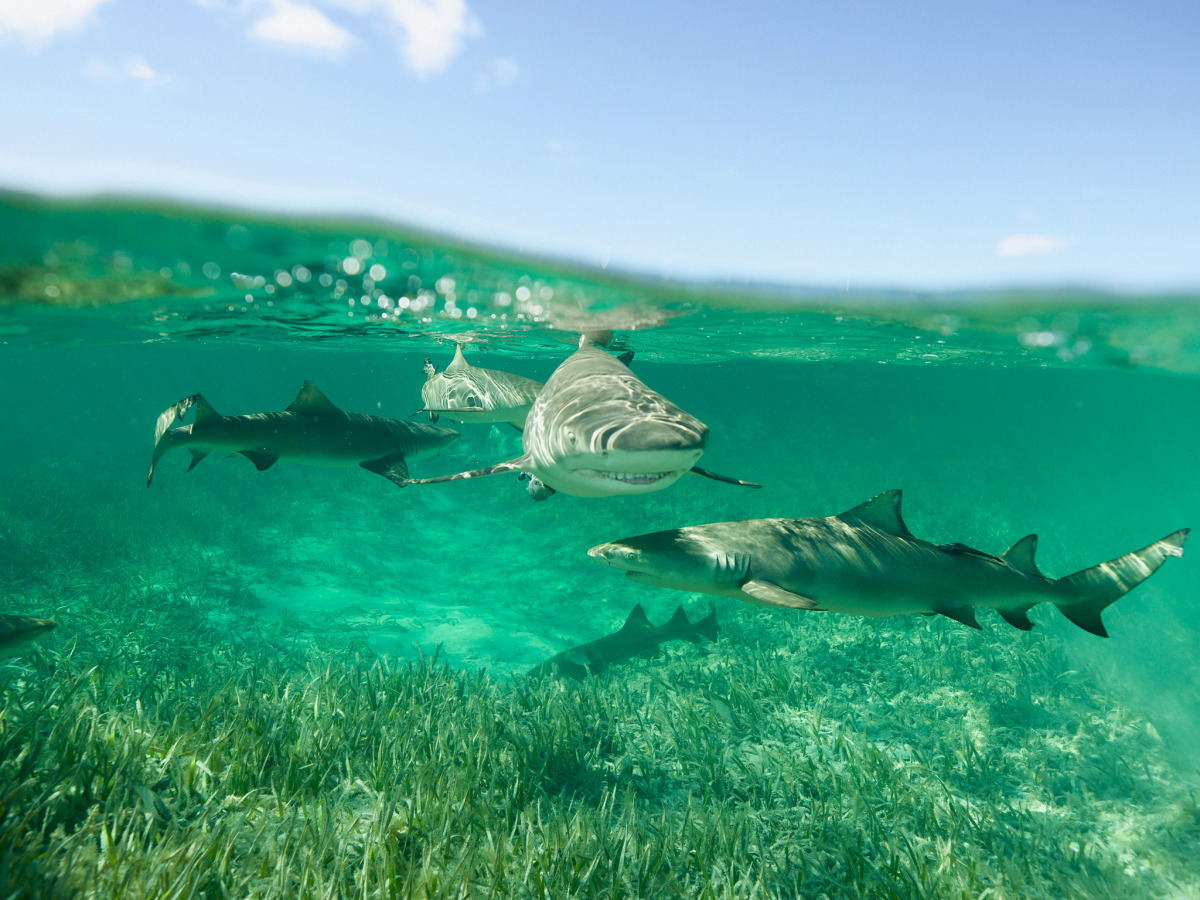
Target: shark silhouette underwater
<point>596,430</point>
<point>18,631</point>
<point>637,637</point>
<point>312,430</point>
<point>467,393</point>
<point>866,562</point>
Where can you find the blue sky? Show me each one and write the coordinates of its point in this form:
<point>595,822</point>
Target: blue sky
<point>922,144</point>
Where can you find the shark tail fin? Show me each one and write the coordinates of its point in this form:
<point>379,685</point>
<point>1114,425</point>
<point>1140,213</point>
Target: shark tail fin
<point>707,627</point>
<point>168,418</point>
<point>1091,591</point>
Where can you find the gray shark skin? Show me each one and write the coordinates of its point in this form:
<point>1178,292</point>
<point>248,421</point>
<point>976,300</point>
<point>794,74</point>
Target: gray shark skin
<point>312,430</point>
<point>865,562</point>
<point>18,631</point>
<point>467,393</point>
<point>637,637</point>
<point>596,430</point>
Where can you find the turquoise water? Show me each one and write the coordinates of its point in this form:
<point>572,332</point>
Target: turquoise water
<point>831,755</point>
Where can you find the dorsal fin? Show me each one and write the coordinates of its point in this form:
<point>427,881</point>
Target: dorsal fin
<point>311,400</point>
<point>459,363</point>
<point>882,513</point>
<point>1020,555</point>
<point>204,411</point>
<point>679,619</point>
<point>637,619</point>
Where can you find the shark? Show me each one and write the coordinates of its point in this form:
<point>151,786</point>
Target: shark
<point>467,393</point>
<point>312,430</point>
<point>596,430</point>
<point>637,637</point>
<point>866,562</point>
<point>18,631</point>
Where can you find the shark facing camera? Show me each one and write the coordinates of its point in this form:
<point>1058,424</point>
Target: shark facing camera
<point>596,430</point>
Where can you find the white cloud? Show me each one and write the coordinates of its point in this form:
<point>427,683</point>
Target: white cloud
<point>39,20</point>
<point>137,69</point>
<point>431,32</point>
<point>1031,245</point>
<point>499,73</point>
<point>305,27</point>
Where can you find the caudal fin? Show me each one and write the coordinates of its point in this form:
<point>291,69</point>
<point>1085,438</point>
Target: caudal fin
<point>205,414</point>
<point>1089,592</point>
<point>707,627</point>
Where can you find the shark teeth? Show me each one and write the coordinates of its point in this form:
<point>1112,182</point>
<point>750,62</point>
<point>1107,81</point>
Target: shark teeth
<point>626,477</point>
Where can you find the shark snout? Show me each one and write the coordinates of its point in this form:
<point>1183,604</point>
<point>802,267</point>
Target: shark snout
<point>616,555</point>
<point>684,435</point>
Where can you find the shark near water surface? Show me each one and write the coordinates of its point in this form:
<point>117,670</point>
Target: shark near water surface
<point>866,562</point>
<point>312,430</point>
<point>467,393</point>
<point>596,430</point>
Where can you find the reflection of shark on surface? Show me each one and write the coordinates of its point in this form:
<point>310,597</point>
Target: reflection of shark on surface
<point>596,430</point>
<point>866,562</point>
<point>467,393</point>
<point>18,631</point>
<point>312,430</point>
<point>637,637</point>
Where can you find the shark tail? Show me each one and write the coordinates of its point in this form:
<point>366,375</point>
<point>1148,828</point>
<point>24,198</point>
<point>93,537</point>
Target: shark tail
<point>163,428</point>
<point>707,627</point>
<point>1092,590</point>
<point>695,632</point>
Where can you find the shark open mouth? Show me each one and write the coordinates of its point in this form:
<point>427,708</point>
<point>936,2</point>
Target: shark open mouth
<point>635,478</point>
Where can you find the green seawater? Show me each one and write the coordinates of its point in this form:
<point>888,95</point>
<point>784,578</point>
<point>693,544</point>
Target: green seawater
<point>306,682</point>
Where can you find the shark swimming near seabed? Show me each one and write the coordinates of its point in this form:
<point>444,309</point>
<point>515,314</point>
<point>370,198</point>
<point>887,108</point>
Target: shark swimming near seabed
<point>866,562</point>
<point>312,430</point>
<point>637,637</point>
<point>18,631</point>
<point>596,430</point>
<point>467,393</point>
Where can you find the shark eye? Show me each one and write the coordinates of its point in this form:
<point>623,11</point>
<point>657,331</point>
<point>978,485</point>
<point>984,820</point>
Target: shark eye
<point>571,436</point>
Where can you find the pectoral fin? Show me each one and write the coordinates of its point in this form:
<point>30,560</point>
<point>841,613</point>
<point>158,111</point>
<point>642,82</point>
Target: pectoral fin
<point>513,465</point>
<point>704,473</point>
<point>393,468</point>
<point>764,593</point>
<point>261,458</point>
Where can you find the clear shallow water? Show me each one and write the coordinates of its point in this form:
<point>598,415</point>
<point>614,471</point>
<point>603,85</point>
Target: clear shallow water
<point>1071,414</point>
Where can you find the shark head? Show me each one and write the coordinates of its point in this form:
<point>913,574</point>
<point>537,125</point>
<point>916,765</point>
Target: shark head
<point>675,559</point>
<point>630,441</point>
<point>18,631</point>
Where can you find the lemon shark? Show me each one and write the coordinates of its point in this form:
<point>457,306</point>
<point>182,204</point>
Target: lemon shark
<point>18,631</point>
<point>467,393</point>
<point>637,637</point>
<point>596,430</point>
<point>866,562</point>
<point>312,430</point>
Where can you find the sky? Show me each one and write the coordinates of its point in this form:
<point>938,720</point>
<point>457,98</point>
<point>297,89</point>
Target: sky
<point>923,144</point>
